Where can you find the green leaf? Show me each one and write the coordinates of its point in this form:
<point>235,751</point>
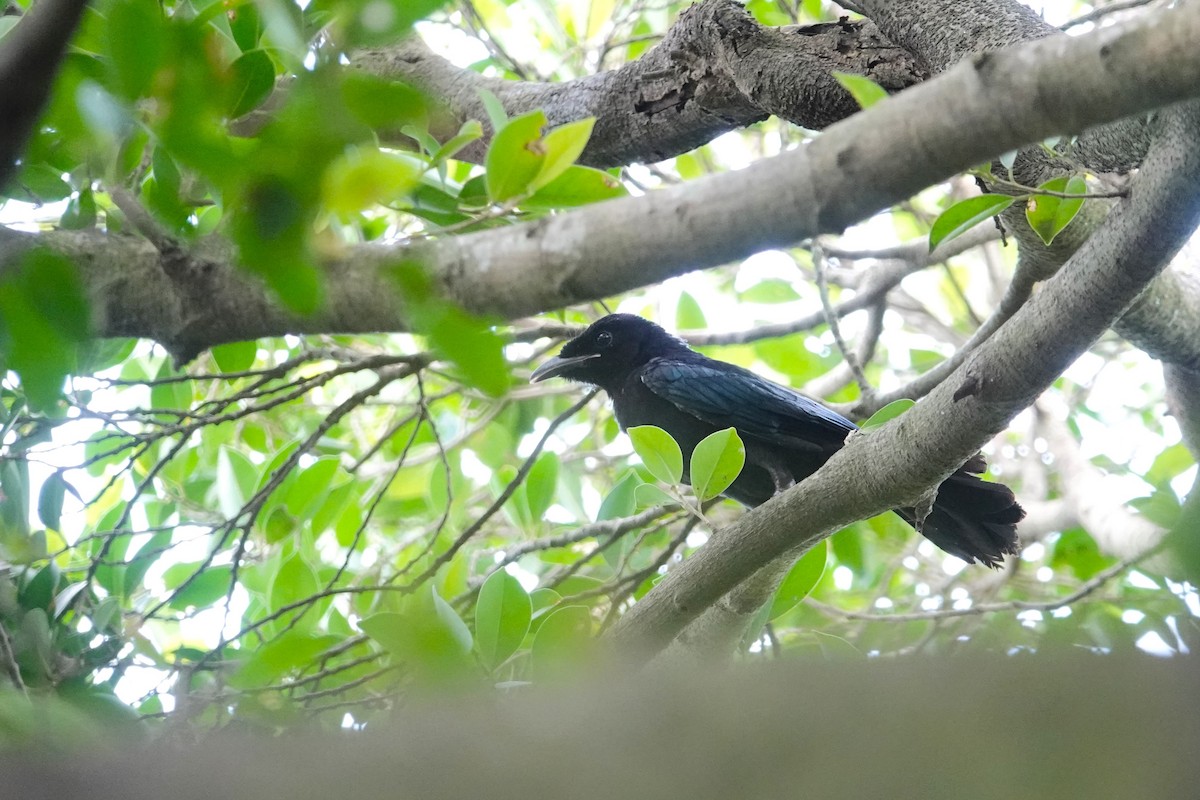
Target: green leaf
<point>502,615</point>
<point>38,183</point>
<point>649,495</point>
<point>888,413</point>
<point>149,553</point>
<point>311,487</point>
<point>620,501</point>
<point>1077,551</point>
<point>253,75</point>
<point>1048,215</point>
<point>245,23</point>
<point>688,314</point>
<point>716,463</point>
<point>497,116</point>
<point>50,500</point>
<point>659,452</point>
<point>1169,463</point>
<point>800,580</point>
<point>80,212</point>
<point>295,581</point>
<point>428,634</point>
<point>577,186</point>
<point>41,588</point>
<point>563,641</point>
<point>462,338</point>
<point>562,146</point>
<point>541,483</point>
<point>43,314</point>
<point>235,481</point>
<point>289,651</point>
<point>469,132</point>
<point>771,290</point>
<point>271,228</point>
<point>205,589</point>
<point>865,91</point>
<point>235,356</point>
<point>1161,507</point>
<point>964,215</point>
<point>515,157</point>
<point>365,177</point>
<point>137,41</point>
<point>847,547</point>
<point>375,22</point>
<point>381,103</point>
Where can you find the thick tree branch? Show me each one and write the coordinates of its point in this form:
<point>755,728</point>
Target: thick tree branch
<point>836,180</point>
<point>716,70</point>
<point>29,59</point>
<point>891,466</point>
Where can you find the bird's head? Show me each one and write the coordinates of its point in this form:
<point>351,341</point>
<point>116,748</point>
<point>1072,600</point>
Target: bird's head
<point>610,349</point>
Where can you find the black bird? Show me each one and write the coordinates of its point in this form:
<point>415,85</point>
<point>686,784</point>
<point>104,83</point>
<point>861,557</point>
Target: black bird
<point>654,378</point>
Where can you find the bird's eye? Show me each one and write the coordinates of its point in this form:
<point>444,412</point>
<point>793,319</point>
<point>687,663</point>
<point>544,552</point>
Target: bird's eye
<point>603,339</point>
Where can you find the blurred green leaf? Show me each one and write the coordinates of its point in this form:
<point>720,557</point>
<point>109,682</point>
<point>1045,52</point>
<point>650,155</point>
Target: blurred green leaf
<point>295,581</point>
<point>428,635</point>
<point>235,356</point>
<point>865,91</point>
<point>688,314</point>
<point>502,615</point>
<point>563,642</point>
<point>771,290</point>
<point>137,41</point>
<point>469,132</point>
<point>43,315</point>
<point>381,103</point>
<point>245,23</point>
<point>649,495</point>
<point>468,341</point>
<point>209,586</point>
<point>253,82</point>
<point>541,483</point>
<point>50,500</point>
<point>1170,463</point>
<point>365,177</point>
<point>620,501</point>
<point>139,564</point>
<point>374,22</point>
<point>847,545</point>
<point>289,651</point>
<point>80,212</point>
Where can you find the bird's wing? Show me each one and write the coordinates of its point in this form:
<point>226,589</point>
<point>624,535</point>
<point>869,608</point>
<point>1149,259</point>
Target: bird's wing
<point>729,396</point>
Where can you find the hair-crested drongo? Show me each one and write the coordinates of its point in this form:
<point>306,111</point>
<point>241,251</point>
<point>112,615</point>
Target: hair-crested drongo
<point>654,378</point>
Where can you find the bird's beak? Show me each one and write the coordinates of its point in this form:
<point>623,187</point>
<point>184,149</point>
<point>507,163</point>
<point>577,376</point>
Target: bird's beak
<point>557,366</point>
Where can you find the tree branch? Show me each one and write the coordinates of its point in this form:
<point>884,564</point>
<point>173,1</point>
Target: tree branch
<point>716,70</point>
<point>836,180</point>
<point>29,59</point>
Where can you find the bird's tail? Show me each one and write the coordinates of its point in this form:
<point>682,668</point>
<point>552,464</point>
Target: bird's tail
<point>973,519</point>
